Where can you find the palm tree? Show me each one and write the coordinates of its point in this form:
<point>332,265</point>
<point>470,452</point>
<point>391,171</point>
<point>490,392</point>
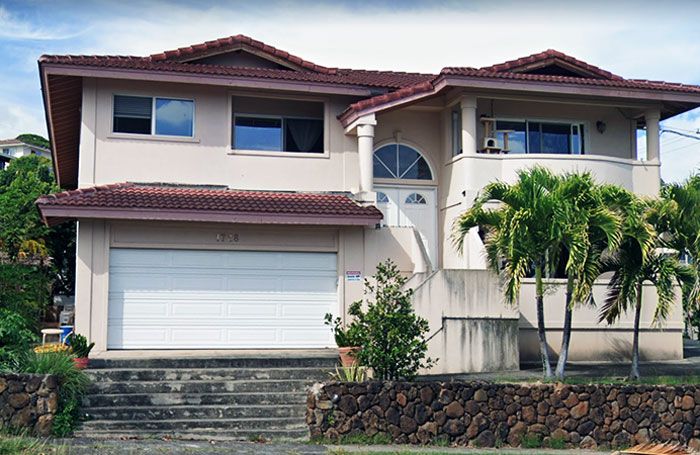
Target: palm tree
<point>634,263</point>
<point>590,227</point>
<point>678,218</point>
<point>522,236</point>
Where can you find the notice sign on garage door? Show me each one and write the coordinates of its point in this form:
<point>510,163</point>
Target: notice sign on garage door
<point>353,275</point>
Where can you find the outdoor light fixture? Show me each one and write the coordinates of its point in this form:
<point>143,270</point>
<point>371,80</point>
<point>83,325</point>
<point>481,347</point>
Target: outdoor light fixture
<point>600,126</point>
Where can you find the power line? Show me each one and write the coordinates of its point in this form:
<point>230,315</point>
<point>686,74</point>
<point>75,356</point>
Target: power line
<point>681,147</point>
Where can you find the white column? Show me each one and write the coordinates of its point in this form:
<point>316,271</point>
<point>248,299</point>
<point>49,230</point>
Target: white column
<point>468,106</point>
<point>365,149</point>
<point>651,118</point>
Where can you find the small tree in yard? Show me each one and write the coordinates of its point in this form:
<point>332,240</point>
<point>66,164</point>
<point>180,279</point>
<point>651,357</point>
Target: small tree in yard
<point>392,335</point>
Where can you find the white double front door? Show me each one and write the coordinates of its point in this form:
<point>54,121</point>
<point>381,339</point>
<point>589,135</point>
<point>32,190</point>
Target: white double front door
<point>414,207</point>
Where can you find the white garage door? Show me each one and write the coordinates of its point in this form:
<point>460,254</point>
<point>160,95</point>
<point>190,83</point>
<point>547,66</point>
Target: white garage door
<point>193,299</point>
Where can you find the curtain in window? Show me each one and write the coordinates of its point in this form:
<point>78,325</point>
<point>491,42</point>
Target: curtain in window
<point>305,132</point>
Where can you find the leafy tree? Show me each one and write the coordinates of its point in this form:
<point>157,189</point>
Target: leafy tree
<point>34,139</point>
<point>523,234</point>
<point>22,233</point>
<point>392,336</point>
<point>636,262</point>
<point>33,257</point>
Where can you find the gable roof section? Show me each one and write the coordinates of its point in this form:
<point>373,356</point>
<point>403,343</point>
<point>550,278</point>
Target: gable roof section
<point>533,64</point>
<point>235,43</point>
<point>182,203</point>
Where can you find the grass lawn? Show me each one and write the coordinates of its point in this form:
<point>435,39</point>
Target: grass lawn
<point>581,380</point>
<point>23,445</point>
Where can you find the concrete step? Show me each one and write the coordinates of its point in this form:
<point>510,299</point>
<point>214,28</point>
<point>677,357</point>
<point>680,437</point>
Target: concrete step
<point>183,412</point>
<point>311,374</point>
<point>329,360</point>
<point>198,435</point>
<point>247,424</point>
<point>292,385</point>
<point>196,399</point>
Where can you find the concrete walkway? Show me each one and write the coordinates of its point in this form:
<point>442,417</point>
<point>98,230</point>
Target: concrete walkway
<point>689,366</point>
<point>79,446</point>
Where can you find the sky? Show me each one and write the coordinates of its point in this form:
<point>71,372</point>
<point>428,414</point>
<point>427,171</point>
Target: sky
<point>639,39</point>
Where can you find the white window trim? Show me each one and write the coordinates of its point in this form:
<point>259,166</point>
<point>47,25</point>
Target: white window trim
<point>412,182</point>
<point>274,153</point>
<point>153,135</point>
<point>570,122</point>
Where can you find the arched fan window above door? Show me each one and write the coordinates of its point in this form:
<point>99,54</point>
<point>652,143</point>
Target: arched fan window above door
<point>399,161</point>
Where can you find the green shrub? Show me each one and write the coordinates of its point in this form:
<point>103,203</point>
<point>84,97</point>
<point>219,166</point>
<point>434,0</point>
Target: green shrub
<point>557,443</point>
<point>392,335</point>
<point>73,384</point>
<point>531,441</point>
<point>16,336</point>
<point>79,345</point>
<point>24,289</point>
<point>345,335</point>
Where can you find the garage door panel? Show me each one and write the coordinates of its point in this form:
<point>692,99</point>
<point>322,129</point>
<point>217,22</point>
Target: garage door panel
<point>317,285</point>
<point>140,258</point>
<point>198,282</point>
<point>251,310</point>
<point>179,299</point>
<point>200,310</point>
<point>251,284</point>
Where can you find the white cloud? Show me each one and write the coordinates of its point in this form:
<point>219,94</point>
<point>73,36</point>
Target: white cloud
<point>16,119</point>
<point>14,28</point>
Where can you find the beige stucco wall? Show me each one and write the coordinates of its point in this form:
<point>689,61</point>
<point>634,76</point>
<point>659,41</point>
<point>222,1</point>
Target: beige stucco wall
<point>591,340</point>
<point>207,158</point>
<point>95,238</point>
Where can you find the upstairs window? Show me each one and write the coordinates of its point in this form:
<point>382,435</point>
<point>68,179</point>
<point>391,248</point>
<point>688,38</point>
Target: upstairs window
<point>278,125</point>
<point>530,136</point>
<point>153,115</point>
<point>456,118</point>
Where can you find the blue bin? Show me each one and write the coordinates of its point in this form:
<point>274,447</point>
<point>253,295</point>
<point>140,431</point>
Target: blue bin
<point>67,330</point>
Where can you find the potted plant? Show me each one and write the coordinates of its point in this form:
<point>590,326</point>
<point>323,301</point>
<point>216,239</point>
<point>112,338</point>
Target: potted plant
<point>347,338</point>
<point>81,349</point>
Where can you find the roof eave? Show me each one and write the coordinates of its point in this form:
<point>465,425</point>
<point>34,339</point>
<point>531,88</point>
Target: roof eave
<point>56,214</point>
<point>205,79</point>
<point>47,118</point>
<point>481,82</point>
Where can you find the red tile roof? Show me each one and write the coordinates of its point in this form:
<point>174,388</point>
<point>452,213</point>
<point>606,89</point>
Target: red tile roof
<point>548,57</point>
<point>153,200</point>
<point>222,45</point>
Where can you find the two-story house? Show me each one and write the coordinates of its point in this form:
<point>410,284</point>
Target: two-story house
<point>14,148</point>
<point>229,194</point>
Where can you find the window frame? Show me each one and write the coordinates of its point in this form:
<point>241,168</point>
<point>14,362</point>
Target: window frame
<point>406,182</point>
<point>578,123</point>
<point>152,134</point>
<point>283,132</point>
<point>326,118</point>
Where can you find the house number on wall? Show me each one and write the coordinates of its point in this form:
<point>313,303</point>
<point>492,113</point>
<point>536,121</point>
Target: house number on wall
<point>227,238</point>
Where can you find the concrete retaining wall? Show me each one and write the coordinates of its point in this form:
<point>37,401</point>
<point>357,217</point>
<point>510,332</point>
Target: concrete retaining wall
<point>488,415</point>
<point>472,329</point>
<point>28,402</point>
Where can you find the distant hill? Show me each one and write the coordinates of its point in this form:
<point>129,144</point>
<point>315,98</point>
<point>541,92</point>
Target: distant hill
<point>34,139</point>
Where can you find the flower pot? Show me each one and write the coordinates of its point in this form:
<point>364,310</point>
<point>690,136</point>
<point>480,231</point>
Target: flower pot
<point>348,355</point>
<point>81,362</point>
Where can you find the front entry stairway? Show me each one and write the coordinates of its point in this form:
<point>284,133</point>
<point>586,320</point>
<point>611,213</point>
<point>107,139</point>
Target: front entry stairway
<point>236,396</point>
